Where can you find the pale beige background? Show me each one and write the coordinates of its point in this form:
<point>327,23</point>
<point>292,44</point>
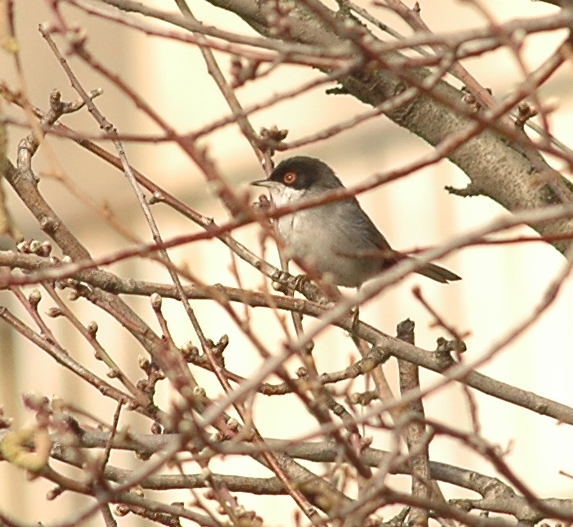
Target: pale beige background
<point>501,284</point>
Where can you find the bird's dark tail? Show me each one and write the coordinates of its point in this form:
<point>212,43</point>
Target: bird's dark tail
<point>437,273</point>
<point>391,257</point>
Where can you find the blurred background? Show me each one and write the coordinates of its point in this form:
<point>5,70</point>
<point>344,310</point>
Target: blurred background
<point>501,284</point>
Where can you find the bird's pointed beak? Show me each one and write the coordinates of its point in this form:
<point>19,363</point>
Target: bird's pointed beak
<point>264,183</point>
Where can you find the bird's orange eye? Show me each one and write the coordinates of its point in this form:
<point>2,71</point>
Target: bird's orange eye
<point>289,178</point>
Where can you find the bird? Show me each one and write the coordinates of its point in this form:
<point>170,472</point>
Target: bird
<point>336,240</point>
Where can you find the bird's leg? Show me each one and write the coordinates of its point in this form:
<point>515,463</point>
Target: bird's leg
<point>355,312</point>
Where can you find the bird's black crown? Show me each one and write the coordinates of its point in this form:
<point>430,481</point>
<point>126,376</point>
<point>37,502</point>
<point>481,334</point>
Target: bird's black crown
<point>302,173</point>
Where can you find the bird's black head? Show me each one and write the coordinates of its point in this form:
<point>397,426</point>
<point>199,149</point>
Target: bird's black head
<point>304,173</point>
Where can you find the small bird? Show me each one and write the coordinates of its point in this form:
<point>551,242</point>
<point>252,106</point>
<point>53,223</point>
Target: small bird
<point>336,240</point>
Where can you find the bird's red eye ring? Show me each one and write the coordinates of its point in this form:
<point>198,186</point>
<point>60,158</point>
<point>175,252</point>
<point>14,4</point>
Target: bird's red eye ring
<point>289,178</point>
